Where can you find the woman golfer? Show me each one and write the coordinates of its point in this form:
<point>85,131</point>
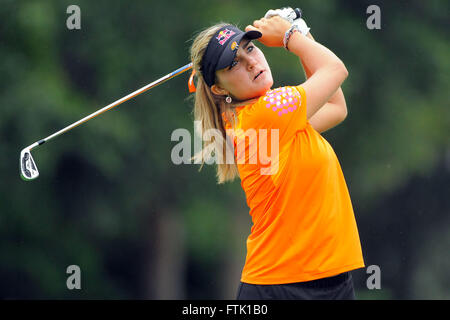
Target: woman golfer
<point>304,239</point>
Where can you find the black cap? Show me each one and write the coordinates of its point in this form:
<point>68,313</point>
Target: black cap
<point>221,50</point>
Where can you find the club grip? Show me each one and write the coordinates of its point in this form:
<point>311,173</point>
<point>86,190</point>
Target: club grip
<point>298,13</point>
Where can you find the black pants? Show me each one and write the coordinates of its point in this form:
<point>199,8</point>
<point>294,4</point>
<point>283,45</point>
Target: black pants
<point>338,287</point>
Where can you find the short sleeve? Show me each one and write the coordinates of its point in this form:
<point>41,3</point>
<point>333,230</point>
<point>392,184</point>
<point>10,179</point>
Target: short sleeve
<point>282,108</point>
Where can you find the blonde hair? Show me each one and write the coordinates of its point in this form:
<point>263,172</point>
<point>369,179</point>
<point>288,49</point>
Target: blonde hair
<point>208,109</point>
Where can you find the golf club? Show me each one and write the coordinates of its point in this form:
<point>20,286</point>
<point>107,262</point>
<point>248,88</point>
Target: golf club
<point>28,168</point>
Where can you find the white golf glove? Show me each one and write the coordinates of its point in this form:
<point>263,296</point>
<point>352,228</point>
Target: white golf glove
<point>289,14</point>
<point>286,13</point>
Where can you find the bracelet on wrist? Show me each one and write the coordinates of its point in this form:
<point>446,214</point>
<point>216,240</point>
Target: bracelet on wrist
<point>288,34</point>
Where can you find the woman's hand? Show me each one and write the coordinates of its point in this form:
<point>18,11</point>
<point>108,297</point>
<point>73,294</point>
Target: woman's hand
<point>272,29</point>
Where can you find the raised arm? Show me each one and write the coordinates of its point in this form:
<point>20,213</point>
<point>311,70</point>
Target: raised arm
<point>327,70</point>
<point>333,112</point>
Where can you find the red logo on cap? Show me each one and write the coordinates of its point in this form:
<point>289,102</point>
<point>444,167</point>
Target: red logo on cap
<point>224,35</point>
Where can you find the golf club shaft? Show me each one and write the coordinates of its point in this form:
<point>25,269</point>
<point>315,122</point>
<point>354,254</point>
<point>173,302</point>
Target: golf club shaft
<point>114,104</point>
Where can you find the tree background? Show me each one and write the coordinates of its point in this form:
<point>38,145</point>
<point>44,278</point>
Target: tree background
<point>110,200</point>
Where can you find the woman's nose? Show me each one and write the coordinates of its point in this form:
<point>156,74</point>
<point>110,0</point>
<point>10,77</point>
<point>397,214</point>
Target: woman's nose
<point>251,63</point>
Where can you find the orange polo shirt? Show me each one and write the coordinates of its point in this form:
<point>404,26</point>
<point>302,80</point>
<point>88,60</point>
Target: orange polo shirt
<point>303,222</point>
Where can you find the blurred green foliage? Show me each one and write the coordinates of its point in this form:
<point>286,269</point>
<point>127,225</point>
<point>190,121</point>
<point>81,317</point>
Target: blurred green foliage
<point>106,187</point>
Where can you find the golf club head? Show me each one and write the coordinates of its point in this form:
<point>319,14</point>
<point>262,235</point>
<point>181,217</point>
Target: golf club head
<point>28,169</point>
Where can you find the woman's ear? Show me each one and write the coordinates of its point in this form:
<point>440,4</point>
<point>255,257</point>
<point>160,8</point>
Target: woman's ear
<point>217,90</point>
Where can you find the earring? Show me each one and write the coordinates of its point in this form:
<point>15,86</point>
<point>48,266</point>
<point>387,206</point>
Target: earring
<point>228,99</point>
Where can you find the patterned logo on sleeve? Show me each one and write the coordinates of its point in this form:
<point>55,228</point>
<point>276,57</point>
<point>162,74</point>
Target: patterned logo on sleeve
<point>283,100</point>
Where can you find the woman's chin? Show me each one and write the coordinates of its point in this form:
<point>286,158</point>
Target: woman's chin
<point>266,86</point>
